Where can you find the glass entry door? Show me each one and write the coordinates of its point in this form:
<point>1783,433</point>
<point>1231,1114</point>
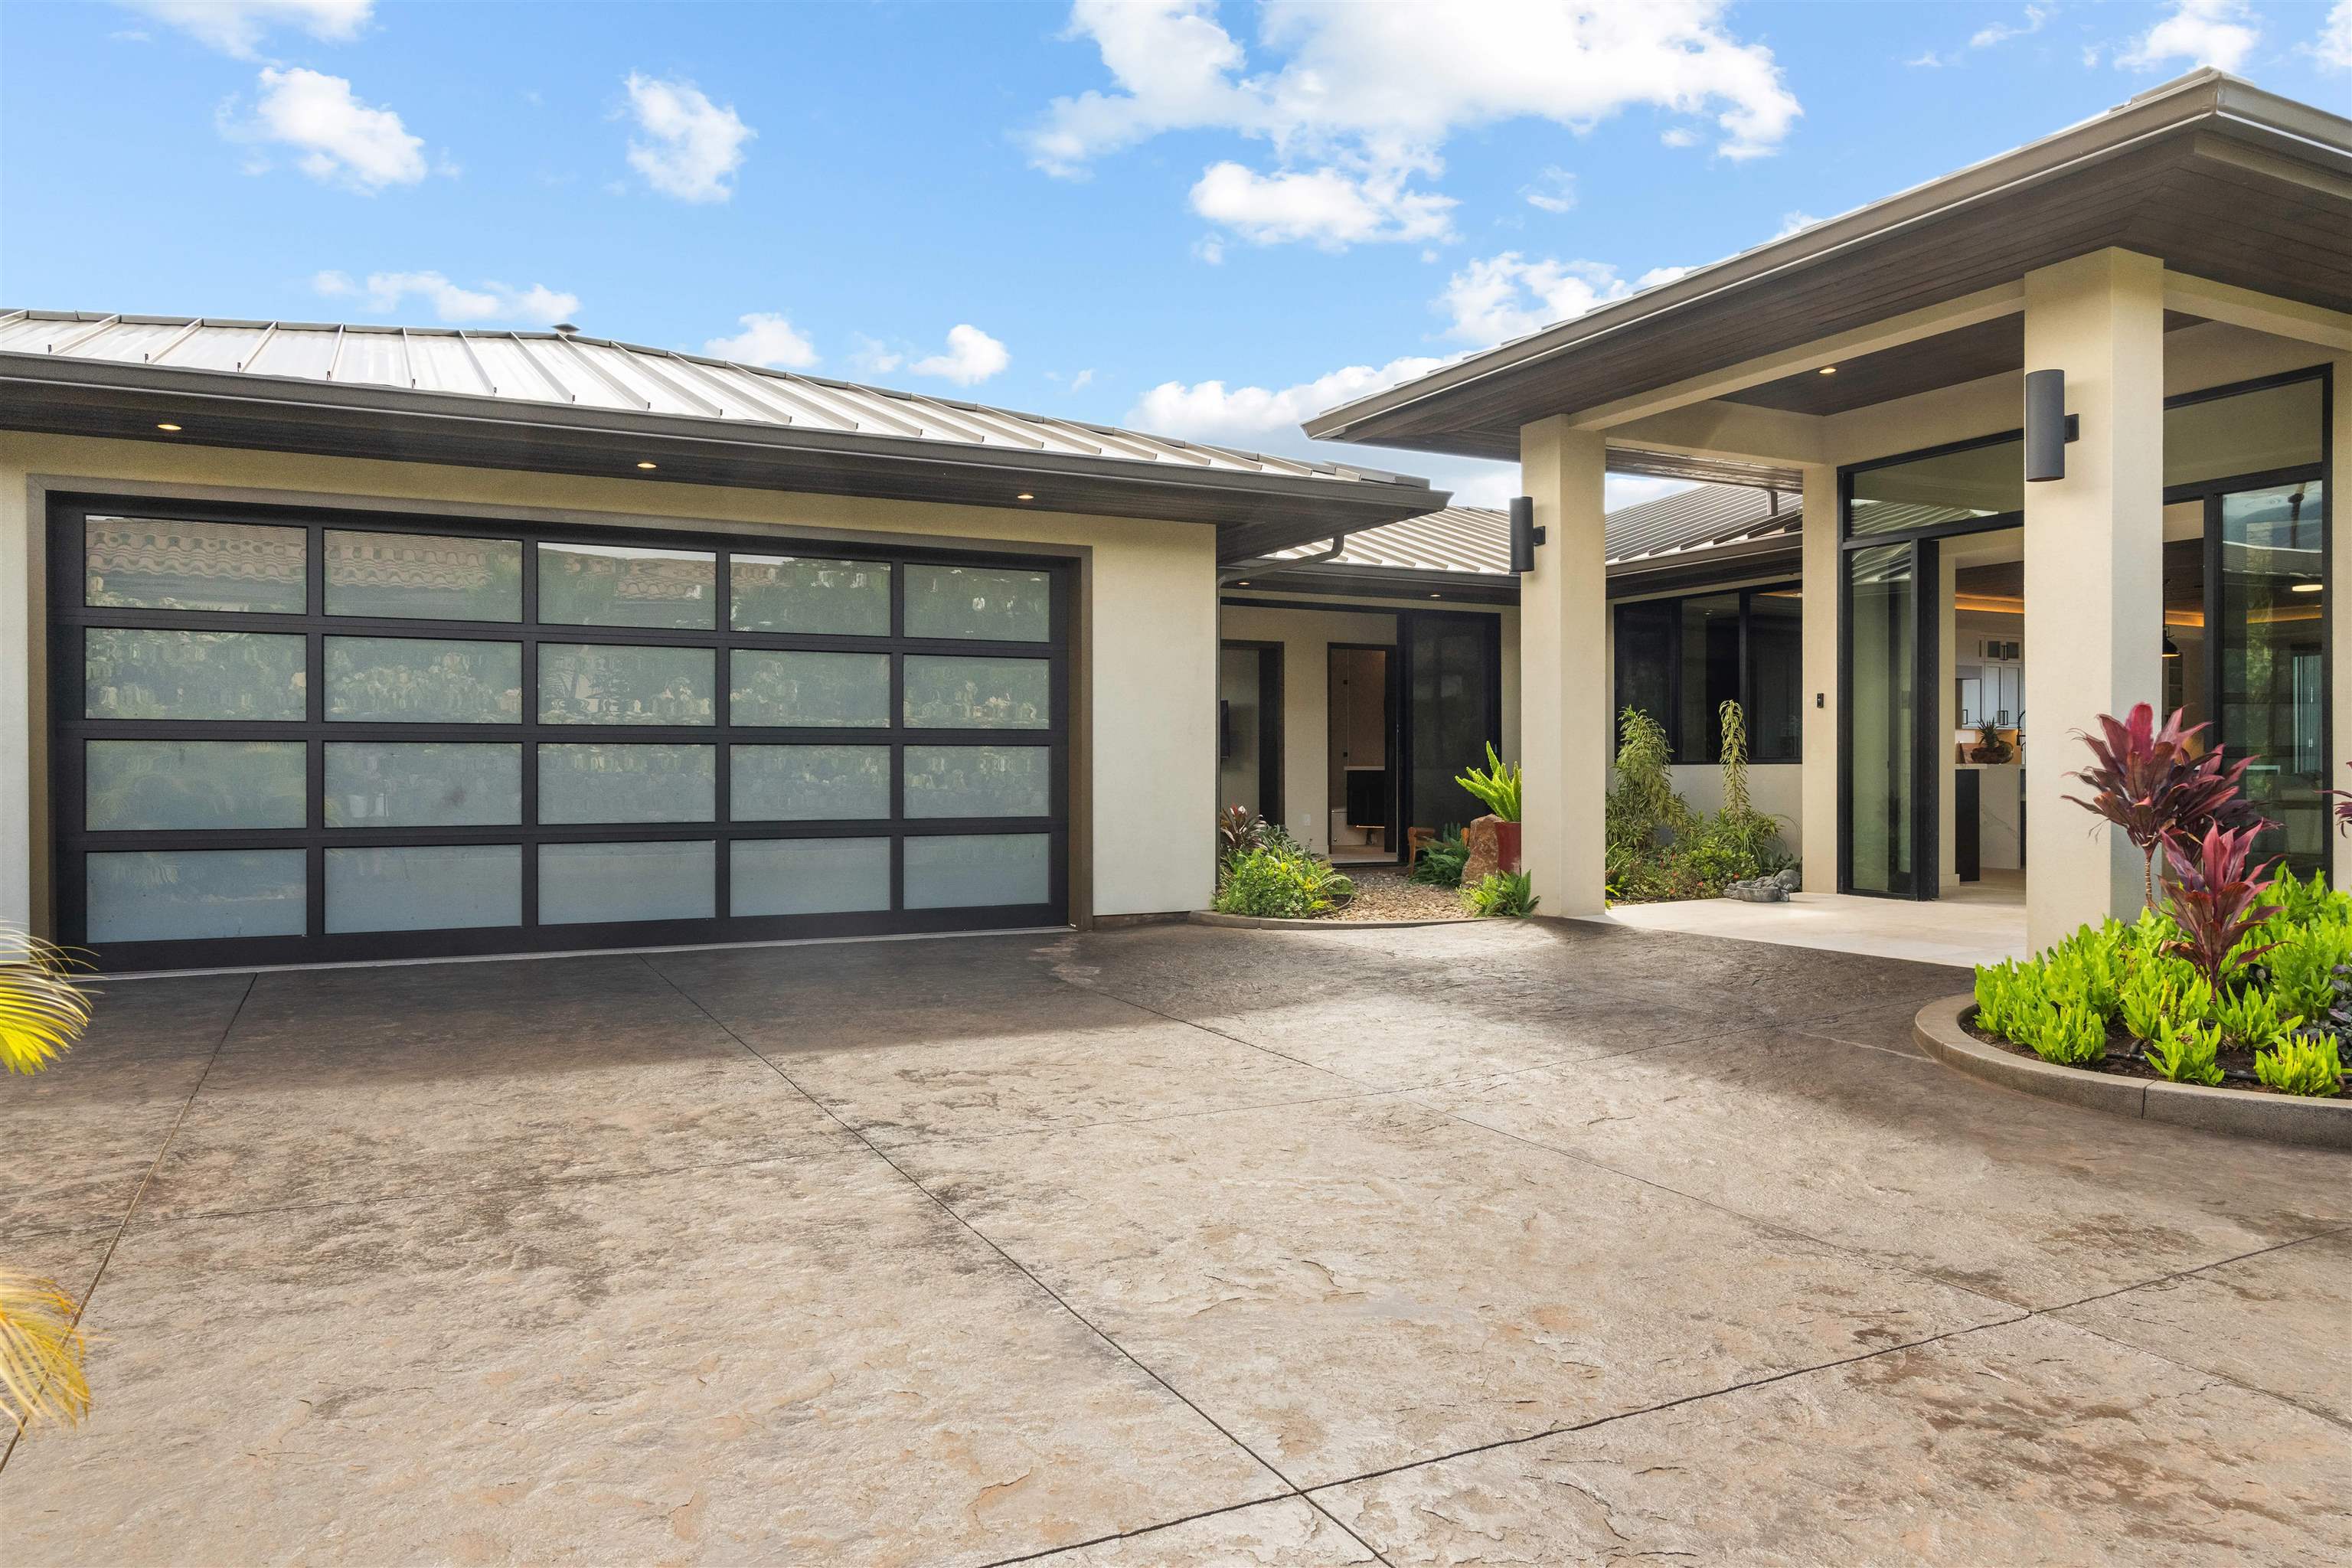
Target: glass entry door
<point>1887,784</point>
<point>2271,617</point>
<point>1452,689</point>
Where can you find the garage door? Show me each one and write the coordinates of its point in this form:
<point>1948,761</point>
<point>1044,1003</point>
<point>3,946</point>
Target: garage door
<point>284,736</point>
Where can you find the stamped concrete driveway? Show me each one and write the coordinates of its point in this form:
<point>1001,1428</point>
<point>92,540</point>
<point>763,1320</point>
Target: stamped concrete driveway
<point>1524,1243</point>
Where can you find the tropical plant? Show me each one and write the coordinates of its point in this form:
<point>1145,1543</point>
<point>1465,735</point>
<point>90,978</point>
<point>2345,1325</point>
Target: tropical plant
<point>1497,788</point>
<point>2071,1033</point>
<point>1989,746</point>
<point>2306,1064</point>
<point>1240,828</point>
<point>1502,893</point>
<point>1734,725</point>
<point>2146,782</point>
<point>2216,901</point>
<point>1441,861</point>
<point>1280,883</point>
<point>2161,989</point>
<point>2250,1018</point>
<point>1644,805</point>
<point>43,1010</point>
<point>2184,1051</point>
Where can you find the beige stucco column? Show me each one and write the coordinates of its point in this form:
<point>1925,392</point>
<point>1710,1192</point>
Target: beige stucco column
<point>1563,667</point>
<point>1822,695</point>
<point>2094,570</point>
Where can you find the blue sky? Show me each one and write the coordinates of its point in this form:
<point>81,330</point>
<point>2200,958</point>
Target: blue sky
<point>1204,219</point>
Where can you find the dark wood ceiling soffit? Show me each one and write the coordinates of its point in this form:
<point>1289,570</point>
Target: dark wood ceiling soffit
<point>2202,215</point>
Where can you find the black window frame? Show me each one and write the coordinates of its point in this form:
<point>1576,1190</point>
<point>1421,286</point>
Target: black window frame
<point>1707,751</point>
<point>69,729</point>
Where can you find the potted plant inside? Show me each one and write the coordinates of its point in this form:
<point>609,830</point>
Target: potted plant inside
<point>1497,788</point>
<point>1989,746</point>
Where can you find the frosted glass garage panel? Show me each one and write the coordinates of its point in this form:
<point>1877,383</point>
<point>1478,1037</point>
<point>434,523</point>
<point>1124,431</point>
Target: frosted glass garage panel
<point>405,784</point>
<point>621,586</point>
<point>598,683</point>
<point>141,786</point>
<point>648,881</point>
<point>626,783</point>
<point>978,780</point>
<point>426,888</point>
<point>423,577</point>
<point>422,680</point>
<point>156,563</point>
<point>995,603</point>
<point>810,783</point>
<point>187,894</point>
<point>129,674</point>
<point>972,870</point>
<point>809,876</point>
<point>950,693</point>
<point>802,594</point>
<point>813,691</point>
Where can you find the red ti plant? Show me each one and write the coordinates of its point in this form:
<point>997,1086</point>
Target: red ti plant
<point>2216,900</point>
<point>2146,782</point>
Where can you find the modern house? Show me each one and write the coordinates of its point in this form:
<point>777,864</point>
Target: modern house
<point>327,642</point>
<point>2163,532</point>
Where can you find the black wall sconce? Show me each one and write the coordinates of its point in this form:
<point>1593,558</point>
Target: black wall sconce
<point>2048,426</point>
<point>1525,535</point>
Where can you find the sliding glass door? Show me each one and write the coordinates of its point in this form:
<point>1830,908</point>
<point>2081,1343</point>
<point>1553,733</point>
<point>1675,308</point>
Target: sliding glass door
<point>1888,782</point>
<point>1453,688</point>
<point>2273,654</point>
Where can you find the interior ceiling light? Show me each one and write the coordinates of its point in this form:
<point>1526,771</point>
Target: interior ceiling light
<point>1243,584</point>
<point>2306,587</point>
<point>164,427</point>
<point>1828,370</point>
<point>648,465</point>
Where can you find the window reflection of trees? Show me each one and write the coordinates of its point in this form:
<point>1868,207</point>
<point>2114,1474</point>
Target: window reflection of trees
<point>945,693</point>
<point>977,781</point>
<point>129,674</point>
<point>810,783</point>
<point>787,594</point>
<point>849,690</point>
<point>586,684</point>
<point>406,681</point>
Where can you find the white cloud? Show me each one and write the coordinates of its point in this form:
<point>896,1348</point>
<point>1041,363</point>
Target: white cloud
<point>2001,32</point>
<point>1365,97</point>
<point>1791,222</point>
<point>692,146</point>
<point>1679,136</point>
<point>384,292</point>
<point>1929,59</point>
<point>1508,296</point>
<point>238,27</point>
<point>2333,47</point>
<point>972,357</point>
<point>335,137</point>
<point>1331,208</point>
<point>1083,380</point>
<point>1554,191</point>
<point>2217,32</point>
<point>1210,248</point>
<point>766,338</point>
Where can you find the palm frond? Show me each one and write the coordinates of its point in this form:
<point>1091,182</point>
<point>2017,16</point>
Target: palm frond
<point>43,1008</point>
<point>41,1350</point>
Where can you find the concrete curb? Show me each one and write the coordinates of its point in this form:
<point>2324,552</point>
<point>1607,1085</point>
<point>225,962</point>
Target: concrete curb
<point>2272,1117</point>
<point>1263,922</point>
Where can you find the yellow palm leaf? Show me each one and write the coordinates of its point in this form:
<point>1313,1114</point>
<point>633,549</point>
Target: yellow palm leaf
<point>43,1010</point>
<point>41,1349</point>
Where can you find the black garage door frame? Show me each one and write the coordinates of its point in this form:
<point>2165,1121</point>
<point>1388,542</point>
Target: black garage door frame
<point>70,730</point>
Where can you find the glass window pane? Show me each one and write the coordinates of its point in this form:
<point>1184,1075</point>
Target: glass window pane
<point>998,603</point>
<point>169,895</point>
<point>1451,696</point>
<point>810,783</point>
<point>424,680</point>
<point>626,783</point>
<point>423,576</point>
<point>432,888</point>
<point>1711,673</point>
<point>151,563</point>
<point>1981,481</point>
<point>159,785</point>
<point>816,689</point>
<point>2273,654</point>
<point>579,883</point>
<point>621,586</point>
<point>191,675</point>
<point>1776,675</point>
<point>948,692</point>
<point>970,871</point>
<point>809,876</point>
<point>1644,661</point>
<point>1881,672</point>
<point>2252,433</point>
<point>978,780</point>
<point>794,593</point>
<point>402,783</point>
<point>591,683</point>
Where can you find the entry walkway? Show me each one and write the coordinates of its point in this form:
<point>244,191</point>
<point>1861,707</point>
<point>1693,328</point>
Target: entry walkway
<point>1979,924</point>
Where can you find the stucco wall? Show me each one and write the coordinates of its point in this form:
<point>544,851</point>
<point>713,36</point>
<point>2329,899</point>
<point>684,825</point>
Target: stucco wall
<point>1306,634</point>
<point>1144,693</point>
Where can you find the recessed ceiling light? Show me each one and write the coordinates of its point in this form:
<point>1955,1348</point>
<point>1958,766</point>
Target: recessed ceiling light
<point>1828,370</point>
<point>648,465</point>
<point>2306,587</point>
<point>1243,584</point>
<point>1025,495</point>
<point>162,426</point>
<point>1438,596</point>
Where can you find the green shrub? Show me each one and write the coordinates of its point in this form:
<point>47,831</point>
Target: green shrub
<point>1497,788</point>
<point>2252,1018</point>
<point>2184,1052</point>
<point>2301,1064</point>
<point>1441,861</point>
<point>1277,882</point>
<point>2068,1033</point>
<point>1657,847</point>
<point>2303,963</point>
<point>1504,893</point>
<point>2159,989</point>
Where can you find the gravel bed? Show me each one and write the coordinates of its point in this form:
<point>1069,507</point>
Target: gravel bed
<point>1385,895</point>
